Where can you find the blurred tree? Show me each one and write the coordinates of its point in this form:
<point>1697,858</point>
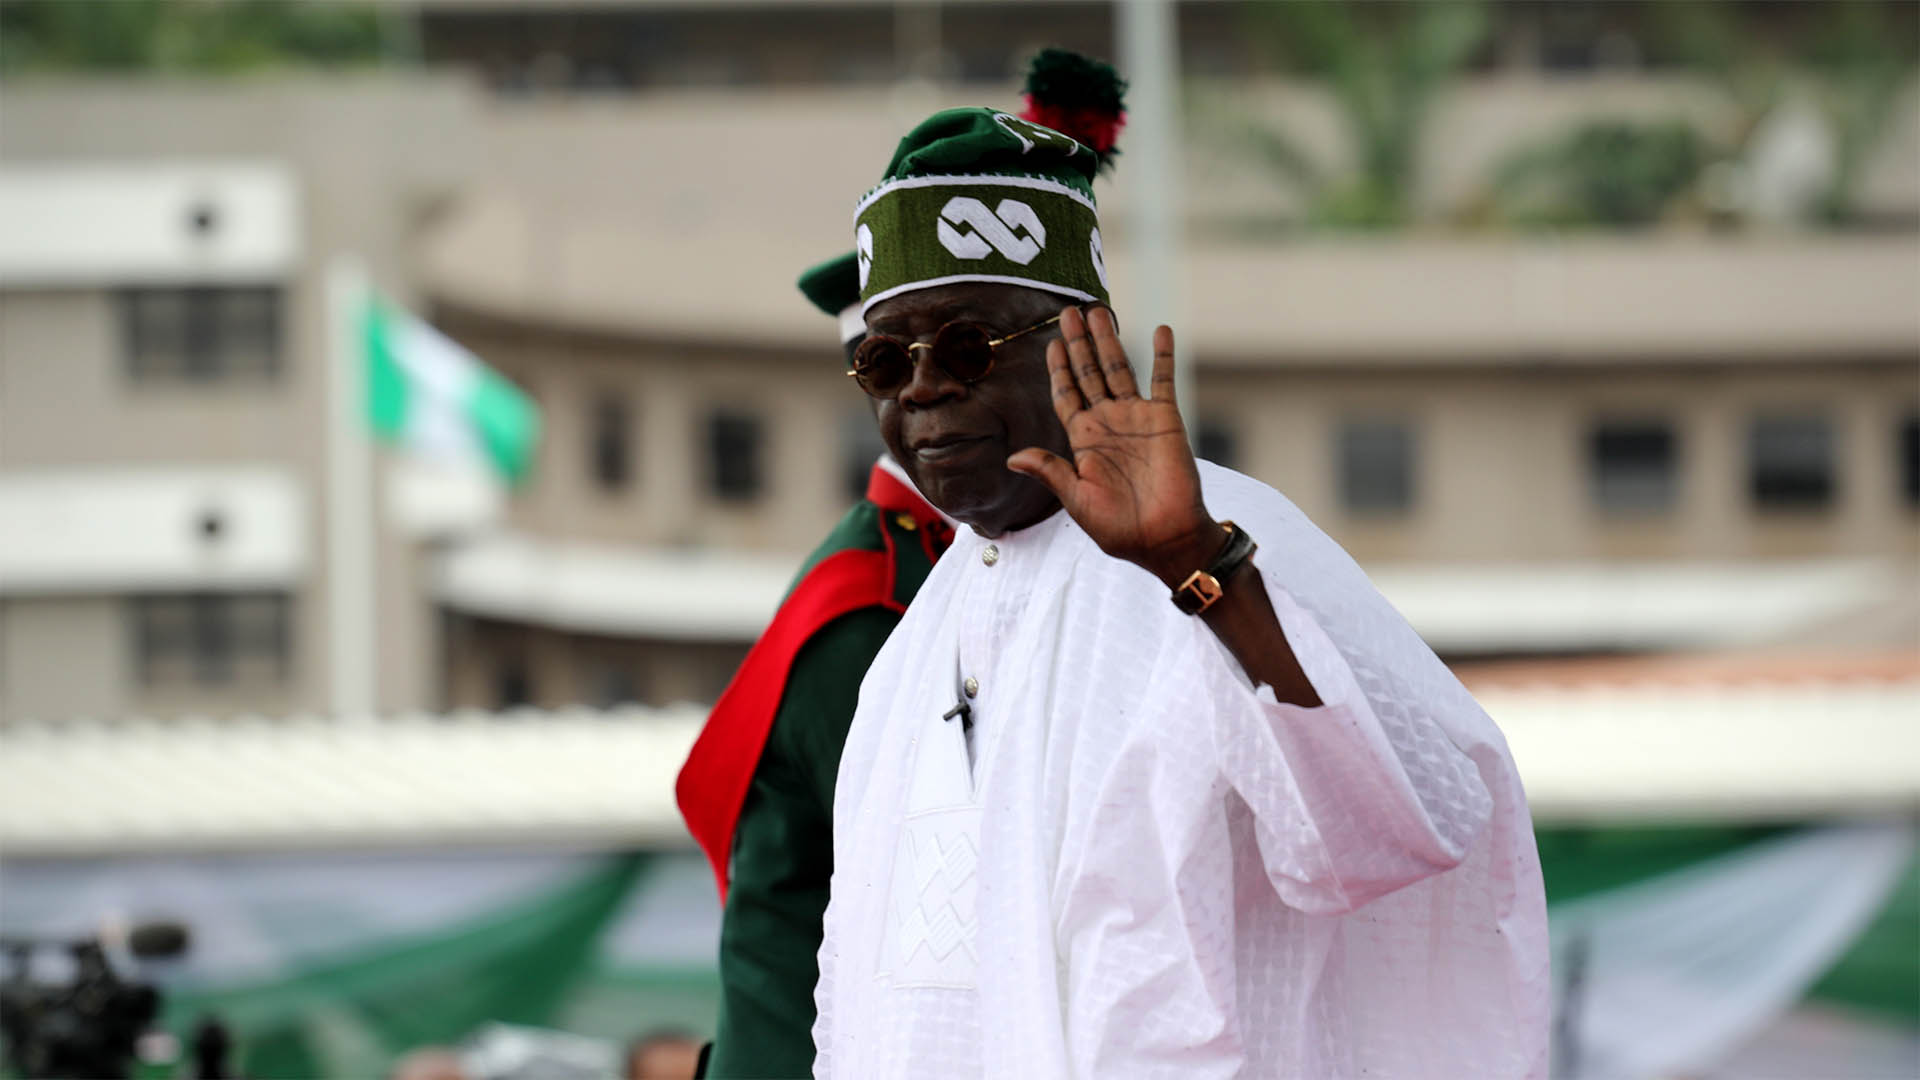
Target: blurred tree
<point>1851,63</point>
<point>205,36</point>
<point>1613,173</point>
<point>1383,64</point>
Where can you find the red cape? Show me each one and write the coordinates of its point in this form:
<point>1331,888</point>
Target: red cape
<point>713,782</point>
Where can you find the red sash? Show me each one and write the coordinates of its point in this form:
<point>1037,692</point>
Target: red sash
<point>713,783</point>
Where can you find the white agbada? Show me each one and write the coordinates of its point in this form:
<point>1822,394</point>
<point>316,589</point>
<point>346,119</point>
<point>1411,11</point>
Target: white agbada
<point>1137,865</point>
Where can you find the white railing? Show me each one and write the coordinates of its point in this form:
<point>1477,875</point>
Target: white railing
<point>1639,751</point>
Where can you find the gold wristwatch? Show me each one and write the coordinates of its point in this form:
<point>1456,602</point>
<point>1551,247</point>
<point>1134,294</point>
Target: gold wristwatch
<point>1203,587</point>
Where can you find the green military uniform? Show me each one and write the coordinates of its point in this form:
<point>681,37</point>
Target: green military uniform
<point>783,842</point>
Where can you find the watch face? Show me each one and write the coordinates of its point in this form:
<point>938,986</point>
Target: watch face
<point>1197,593</point>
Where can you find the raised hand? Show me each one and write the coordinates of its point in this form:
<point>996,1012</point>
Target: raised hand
<point>1132,484</point>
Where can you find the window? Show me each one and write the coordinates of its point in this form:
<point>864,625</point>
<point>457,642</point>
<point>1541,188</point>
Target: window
<point>611,684</point>
<point>1217,442</point>
<point>860,447</point>
<point>1909,443</point>
<point>982,64</point>
<point>716,670</point>
<point>610,457</point>
<point>733,454</point>
<point>212,639</point>
<point>1632,465</point>
<point>1376,466</point>
<point>1790,462</point>
<point>201,333</point>
<point>512,685</point>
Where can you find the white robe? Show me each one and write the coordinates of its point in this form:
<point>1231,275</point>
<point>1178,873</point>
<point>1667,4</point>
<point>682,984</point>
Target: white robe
<point>1149,868</point>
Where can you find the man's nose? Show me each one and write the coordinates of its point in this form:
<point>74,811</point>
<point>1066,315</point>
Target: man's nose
<point>929,383</point>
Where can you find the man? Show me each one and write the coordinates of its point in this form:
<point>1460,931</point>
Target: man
<point>1081,830</point>
<point>665,1054</point>
<point>757,789</point>
<point>429,1063</point>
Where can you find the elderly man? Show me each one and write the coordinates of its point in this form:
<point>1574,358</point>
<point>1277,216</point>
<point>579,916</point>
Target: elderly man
<point>757,790</point>
<point>1149,781</point>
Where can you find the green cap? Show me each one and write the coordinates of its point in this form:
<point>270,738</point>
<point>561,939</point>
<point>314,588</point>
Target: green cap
<point>982,195</point>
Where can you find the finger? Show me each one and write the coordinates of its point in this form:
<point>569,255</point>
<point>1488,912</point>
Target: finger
<point>1113,355</point>
<point>1066,396</point>
<point>1163,364</point>
<point>1047,467</point>
<point>1086,369</point>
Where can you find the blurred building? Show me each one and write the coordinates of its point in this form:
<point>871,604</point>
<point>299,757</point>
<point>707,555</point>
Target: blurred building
<point>163,351</point>
<point>1683,438</point>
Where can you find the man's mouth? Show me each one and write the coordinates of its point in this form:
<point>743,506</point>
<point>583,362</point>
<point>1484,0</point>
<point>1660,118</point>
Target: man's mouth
<point>941,448</point>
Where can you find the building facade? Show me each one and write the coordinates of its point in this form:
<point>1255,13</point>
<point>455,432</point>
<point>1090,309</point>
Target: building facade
<point>164,341</point>
<point>1674,439</point>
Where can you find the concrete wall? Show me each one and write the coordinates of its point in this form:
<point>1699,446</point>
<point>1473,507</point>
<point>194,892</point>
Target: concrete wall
<point>63,657</point>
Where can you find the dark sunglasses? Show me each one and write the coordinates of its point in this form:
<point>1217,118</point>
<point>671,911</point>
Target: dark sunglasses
<point>964,350</point>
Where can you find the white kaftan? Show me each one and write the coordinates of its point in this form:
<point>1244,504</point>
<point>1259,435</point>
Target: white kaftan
<point>1149,868</point>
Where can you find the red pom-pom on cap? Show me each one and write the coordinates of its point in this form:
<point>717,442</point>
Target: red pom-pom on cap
<point>1096,129</point>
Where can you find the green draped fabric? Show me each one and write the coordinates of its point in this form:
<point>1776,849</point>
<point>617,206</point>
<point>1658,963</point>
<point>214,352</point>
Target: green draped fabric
<point>544,960</point>
<point>351,1017</point>
<point>1879,972</point>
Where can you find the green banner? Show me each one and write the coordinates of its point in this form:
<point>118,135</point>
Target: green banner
<point>334,965</point>
<point>1878,972</point>
<point>351,1017</point>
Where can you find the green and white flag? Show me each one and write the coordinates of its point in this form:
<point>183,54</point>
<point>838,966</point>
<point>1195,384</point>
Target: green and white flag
<point>428,394</point>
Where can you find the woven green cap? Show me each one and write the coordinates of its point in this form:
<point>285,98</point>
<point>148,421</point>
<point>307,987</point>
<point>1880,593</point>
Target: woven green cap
<point>982,195</point>
<point>976,141</point>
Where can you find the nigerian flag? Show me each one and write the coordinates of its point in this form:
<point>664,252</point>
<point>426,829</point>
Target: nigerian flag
<point>429,395</point>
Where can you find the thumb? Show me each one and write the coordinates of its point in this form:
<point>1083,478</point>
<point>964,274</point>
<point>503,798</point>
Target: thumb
<point>1047,467</point>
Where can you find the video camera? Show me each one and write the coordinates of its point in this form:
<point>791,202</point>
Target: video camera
<point>85,1027</point>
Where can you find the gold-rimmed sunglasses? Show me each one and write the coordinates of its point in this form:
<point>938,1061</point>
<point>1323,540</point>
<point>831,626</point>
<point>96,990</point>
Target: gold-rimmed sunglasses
<point>964,350</point>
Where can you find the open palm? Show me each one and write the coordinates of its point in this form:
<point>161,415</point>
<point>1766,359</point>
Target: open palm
<point>1132,484</point>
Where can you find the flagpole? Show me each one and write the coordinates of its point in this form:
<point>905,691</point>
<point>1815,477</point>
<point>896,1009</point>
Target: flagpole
<point>350,567</point>
<point>1150,59</point>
